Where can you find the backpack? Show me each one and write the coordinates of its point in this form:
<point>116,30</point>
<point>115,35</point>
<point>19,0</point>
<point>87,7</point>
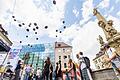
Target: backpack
<point>87,62</point>
<point>74,67</point>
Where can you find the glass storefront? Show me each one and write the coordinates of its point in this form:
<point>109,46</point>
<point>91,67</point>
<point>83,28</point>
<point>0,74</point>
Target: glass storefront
<point>37,54</point>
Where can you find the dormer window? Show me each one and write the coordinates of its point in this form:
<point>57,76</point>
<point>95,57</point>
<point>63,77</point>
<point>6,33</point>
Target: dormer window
<point>59,45</point>
<point>65,57</point>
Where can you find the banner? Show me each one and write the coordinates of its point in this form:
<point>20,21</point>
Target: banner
<point>13,53</point>
<point>13,58</point>
<point>2,57</point>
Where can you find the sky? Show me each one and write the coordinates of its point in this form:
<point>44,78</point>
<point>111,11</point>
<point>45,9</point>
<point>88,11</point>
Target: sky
<point>81,29</point>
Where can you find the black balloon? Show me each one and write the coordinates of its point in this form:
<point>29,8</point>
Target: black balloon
<point>46,27</point>
<point>64,27</point>
<point>35,32</point>
<point>28,44</point>
<point>29,25</point>
<point>36,38</point>
<point>14,19</point>
<point>20,41</point>
<point>37,27</point>
<point>33,29</point>
<point>56,35</point>
<point>26,36</point>
<point>54,2</point>
<point>23,23</point>
<point>19,25</point>
<point>63,22</point>
<point>35,24</point>
<point>13,16</point>
<point>56,30</point>
<point>27,30</point>
<point>60,31</point>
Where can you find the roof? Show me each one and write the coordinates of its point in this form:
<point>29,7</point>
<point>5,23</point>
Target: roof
<point>99,55</point>
<point>1,28</point>
<point>61,45</point>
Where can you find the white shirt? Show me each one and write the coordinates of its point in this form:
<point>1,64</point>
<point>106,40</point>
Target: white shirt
<point>116,60</point>
<point>110,51</point>
<point>38,72</point>
<point>82,63</point>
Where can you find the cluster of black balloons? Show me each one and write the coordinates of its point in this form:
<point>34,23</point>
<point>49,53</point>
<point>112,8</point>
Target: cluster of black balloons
<point>36,26</point>
<point>60,30</point>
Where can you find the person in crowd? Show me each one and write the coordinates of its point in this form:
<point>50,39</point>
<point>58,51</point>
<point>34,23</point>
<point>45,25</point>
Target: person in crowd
<point>9,71</point>
<point>113,58</point>
<point>38,74</point>
<point>85,67</point>
<point>78,72</point>
<point>46,69</point>
<point>22,72</point>
<point>31,72</point>
<point>71,69</point>
<point>56,71</point>
<point>51,71</point>
<point>43,70</point>
<point>67,75</point>
<point>27,72</point>
<point>60,74</point>
<point>17,71</point>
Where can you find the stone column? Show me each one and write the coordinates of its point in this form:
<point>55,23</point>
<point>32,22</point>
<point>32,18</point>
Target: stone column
<point>111,34</point>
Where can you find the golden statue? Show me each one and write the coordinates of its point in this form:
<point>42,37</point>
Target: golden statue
<point>101,41</point>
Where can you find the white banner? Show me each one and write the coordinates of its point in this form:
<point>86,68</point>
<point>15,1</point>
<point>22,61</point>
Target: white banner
<point>2,56</point>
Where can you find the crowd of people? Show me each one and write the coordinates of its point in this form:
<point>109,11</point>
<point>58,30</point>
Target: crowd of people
<point>28,72</point>
<point>79,70</point>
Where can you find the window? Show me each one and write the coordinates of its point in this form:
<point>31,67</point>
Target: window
<point>59,50</point>
<point>98,67</point>
<point>99,60</point>
<point>59,57</point>
<point>65,57</point>
<point>68,50</point>
<point>102,66</point>
<point>68,56</point>
<point>96,62</point>
<point>59,45</point>
<point>65,65</point>
<point>63,50</point>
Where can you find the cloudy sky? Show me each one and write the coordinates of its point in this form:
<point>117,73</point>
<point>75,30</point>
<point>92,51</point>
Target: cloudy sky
<point>81,29</point>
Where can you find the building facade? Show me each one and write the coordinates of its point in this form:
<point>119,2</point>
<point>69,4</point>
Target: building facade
<point>62,53</point>
<point>100,61</point>
<point>36,54</point>
<point>5,44</point>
